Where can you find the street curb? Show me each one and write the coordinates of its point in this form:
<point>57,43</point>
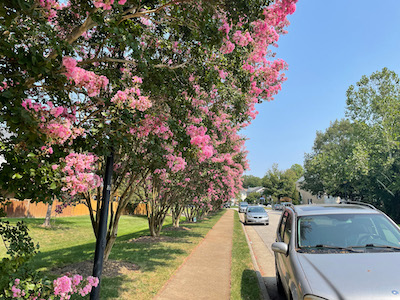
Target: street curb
<point>261,283</point>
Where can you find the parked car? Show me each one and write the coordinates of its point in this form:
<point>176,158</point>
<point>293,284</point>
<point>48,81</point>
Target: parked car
<point>226,205</point>
<point>278,207</point>
<point>257,215</point>
<point>342,251</point>
<point>286,204</point>
<point>243,206</point>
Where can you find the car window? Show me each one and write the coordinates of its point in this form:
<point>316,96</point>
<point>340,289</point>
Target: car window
<point>347,230</point>
<point>288,229</point>
<point>282,225</point>
<point>255,209</point>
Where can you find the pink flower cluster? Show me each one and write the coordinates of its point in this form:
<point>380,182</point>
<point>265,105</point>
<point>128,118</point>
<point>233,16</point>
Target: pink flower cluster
<point>175,163</point>
<point>65,286</point>
<point>132,99</point>
<point>79,173</point>
<point>242,39</point>
<point>106,4</point>
<point>17,293</point>
<point>227,47</point>
<point>51,7</point>
<point>156,125</point>
<point>56,121</point>
<point>3,86</point>
<point>84,79</point>
<point>202,140</point>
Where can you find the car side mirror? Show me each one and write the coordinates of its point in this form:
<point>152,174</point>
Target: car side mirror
<point>280,247</point>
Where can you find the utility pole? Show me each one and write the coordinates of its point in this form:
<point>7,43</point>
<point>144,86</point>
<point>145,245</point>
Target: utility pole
<point>101,237</point>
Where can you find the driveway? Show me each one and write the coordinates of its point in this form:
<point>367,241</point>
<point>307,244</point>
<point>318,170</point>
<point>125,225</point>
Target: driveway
<point>261,238</point>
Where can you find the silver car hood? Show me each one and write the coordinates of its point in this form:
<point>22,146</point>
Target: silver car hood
<point>353,276</point>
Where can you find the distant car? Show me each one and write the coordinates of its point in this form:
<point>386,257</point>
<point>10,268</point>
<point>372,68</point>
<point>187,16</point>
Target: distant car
<point>269,206</point>
<point>284,204</point>
<point>337,252</point>
<point>278,207</point>
<point>226,205</point>
<point>243,206</point>
<point>256,215</point>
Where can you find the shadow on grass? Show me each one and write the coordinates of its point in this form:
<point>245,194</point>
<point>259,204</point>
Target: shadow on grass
<point>249,285</point>
<point>148,256</point>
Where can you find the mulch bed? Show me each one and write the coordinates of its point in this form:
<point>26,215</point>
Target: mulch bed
<point>176,229</point>
<point>111,268</point>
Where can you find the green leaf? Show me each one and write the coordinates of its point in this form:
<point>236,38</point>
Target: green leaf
<point>16,176</point>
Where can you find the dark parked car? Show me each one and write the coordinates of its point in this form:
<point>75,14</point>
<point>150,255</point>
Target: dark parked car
<point>337,252</point>
<point>226,205</point>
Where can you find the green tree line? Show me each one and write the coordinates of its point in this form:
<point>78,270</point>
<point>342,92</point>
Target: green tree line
<point>277,183</point>
<point>358,158</point>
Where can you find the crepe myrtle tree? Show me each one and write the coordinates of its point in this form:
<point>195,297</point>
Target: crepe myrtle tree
<point>79,78</point>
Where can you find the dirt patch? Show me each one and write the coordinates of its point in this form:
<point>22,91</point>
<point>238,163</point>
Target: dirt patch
<point>111,268</point>
<point>176,229</point>
<point>152,239</point>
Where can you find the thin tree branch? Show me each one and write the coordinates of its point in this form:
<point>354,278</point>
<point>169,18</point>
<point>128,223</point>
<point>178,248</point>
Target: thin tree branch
<point>384,186</point>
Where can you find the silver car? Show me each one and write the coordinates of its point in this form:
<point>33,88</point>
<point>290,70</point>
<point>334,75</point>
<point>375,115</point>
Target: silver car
<point>257,215</point>
<point>337,252</point>
<point>243,206</point>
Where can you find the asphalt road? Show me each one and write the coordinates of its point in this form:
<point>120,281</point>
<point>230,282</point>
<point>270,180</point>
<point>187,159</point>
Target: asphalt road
<point>261,238</point>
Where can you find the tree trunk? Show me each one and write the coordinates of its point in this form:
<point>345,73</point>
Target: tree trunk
<point>156,222</point>
<point>48,215</point>
<point>176,211</point>
<point>175,221</point>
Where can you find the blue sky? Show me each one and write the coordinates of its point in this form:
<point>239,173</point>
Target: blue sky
<point>330,45</point>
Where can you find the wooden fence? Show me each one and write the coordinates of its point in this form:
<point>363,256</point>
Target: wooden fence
<point>27,209</point>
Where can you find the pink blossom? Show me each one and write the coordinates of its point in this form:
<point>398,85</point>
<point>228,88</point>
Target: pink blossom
<point>227,47</point>
<point>79,173</point>
<point>85,79</point>
<point>62,287</point>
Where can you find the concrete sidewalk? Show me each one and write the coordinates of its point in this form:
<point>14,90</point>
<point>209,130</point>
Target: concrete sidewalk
<point>206,272</point>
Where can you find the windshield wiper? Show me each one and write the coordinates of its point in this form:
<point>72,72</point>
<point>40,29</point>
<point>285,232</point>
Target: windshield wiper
<point>335,248</point>
<point>381,247</point>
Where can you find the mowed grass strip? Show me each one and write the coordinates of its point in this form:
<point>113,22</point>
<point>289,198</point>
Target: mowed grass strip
<point>71,240</point>
<point>244,282</point>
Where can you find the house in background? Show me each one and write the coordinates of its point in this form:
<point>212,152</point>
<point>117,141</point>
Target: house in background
<point>308,198</point>
<point>257,189</point>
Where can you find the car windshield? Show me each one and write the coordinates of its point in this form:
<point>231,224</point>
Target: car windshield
<point>244,204</point>
<point>256,209</point>
<point>347,231</point>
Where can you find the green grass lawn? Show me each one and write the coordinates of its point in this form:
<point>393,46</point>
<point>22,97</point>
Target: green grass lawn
<point>71,240</point>
<point>244,282</point>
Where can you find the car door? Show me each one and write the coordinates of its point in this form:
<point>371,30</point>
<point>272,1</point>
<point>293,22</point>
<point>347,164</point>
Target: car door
<point>282,260</point>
